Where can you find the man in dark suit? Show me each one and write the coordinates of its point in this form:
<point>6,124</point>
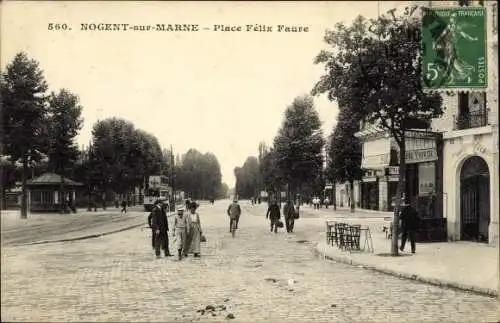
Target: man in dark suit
<point>159,224</point>
<point>274,214</point>
<point>409,225</point>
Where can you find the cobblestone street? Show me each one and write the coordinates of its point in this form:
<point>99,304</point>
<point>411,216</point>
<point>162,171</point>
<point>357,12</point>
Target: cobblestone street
<point>116,278</point>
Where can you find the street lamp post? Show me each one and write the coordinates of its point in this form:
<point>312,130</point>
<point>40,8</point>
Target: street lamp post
<point>172,176</point>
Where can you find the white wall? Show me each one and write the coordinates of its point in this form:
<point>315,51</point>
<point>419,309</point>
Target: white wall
<point>456,152</point>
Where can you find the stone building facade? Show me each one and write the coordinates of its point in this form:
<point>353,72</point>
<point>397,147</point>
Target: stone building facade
<point>454,167</point>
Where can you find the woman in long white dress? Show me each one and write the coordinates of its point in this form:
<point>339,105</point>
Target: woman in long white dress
<point>196,231</point>
<point>189,231</point>
<point>180,231</point>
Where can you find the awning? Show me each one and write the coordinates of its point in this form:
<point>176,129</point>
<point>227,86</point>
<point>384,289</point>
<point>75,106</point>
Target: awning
<point>421,146</point>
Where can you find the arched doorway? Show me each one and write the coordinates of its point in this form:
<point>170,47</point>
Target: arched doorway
<point>474,200</point>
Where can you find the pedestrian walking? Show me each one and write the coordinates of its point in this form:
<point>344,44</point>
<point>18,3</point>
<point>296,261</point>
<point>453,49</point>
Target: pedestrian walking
<point>159,224</point>
<point>234,212</point>
<point>327,202</point>
<point>273,214</point>
<point>196,231</point>
<point>189,228</point>
<point>409,225</point>
<point>180,231</point>
<point>153,234</point>
<point>165,207</point>
<point>289,214</point>
<point>124,207</point>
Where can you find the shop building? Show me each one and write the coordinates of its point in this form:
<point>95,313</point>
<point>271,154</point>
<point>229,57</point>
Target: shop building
<point>453,169</point>
<point>470,148</point>
<point>423,176</point>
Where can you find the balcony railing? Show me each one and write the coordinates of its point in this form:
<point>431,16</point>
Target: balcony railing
<point>474,119</point>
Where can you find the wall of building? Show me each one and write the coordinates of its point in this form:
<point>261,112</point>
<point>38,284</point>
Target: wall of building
<point>462,144</point>
<point>457,151</point>
<point>341,194</point>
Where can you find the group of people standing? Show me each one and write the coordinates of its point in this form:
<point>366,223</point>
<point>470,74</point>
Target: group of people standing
<point>318,203</point>
<point>187,230</point>
<point>274,214</point>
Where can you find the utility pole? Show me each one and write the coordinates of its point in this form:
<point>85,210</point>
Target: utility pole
<point>172,174</point>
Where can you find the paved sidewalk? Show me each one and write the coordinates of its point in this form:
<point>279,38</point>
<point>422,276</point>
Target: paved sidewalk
<point>462,265</point>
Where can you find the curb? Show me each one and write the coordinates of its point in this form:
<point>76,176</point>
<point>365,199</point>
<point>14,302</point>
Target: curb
<point>431,281</point>
<point>90,236</point>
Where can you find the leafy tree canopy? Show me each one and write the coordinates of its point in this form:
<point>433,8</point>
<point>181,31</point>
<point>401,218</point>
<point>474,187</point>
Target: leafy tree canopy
<point>299,143</point>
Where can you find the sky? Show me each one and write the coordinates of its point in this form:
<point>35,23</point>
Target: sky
<point>219,92</point>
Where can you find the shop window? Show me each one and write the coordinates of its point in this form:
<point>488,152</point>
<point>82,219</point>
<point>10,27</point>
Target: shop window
<point>36,196</point>
<point>46,197</point>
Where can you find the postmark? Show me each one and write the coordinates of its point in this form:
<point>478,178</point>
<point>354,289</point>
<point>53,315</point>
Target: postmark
<point>454,53</point>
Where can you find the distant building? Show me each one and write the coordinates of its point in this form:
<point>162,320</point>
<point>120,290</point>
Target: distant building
<point>44,192</point>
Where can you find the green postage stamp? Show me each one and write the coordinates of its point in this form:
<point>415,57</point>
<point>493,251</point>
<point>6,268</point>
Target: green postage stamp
<point>454,52</point>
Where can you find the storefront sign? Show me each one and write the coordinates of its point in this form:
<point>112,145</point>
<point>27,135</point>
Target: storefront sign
<point>393,170</point>
<point>420,155</point>
<point>375,161</point>
<point>394,178</point>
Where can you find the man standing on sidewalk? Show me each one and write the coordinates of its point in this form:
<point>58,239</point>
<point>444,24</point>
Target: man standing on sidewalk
<point>273,213</point>
<point>409,225</point>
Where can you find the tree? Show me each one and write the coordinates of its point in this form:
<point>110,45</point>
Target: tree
<point>299,144</point>
<point>211,176</point>
<point>23,88</point>
<point>10,174</point>
<point>248,178</point>
<point>199,174</point>
<point>238,187</point>
<point>272,179</point>
<point>223,191</point>
<point>124,156</point>
<point>64,121</point>
<point>376,70</point>
<point>345,151</point>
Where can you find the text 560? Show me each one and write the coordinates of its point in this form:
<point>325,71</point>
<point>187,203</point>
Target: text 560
<point>54,26</point>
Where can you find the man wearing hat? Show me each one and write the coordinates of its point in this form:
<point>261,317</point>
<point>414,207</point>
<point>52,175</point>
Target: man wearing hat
<point>234,212</point>
<point>159,224</point>
<point>180,231</point>
<point>409,224</point>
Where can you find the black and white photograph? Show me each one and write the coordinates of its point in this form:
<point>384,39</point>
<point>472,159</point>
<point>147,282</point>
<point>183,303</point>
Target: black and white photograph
<point>249,161</point>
